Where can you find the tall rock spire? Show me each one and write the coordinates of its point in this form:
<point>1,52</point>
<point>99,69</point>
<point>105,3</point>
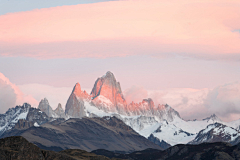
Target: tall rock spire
<point>45,107</point>
<point>59,111</point>
<point>75,104</point>
<point>107,88</point>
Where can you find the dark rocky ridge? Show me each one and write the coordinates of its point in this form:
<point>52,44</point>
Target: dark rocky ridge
<point>19,148</point>
<point>161,143</point>
<point>204,151</point>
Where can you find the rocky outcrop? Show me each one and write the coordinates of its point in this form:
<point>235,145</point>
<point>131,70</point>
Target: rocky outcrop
<point>23,124</point>
<point>59,111</point>
<point>45,107</point>
<point>213,118</point>
<point>37,116</point>
<point>161,143</point>
<point>75,105</point>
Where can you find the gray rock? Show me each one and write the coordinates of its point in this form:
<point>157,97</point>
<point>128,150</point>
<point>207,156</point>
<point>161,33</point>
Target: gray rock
<point>59,111</point>
<point>75,104</point>
<point>45,107</point>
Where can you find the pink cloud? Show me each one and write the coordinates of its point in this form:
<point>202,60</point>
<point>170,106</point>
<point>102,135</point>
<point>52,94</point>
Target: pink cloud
<point>191,103</point>
<point>11,95</point>
<point>189,28</point>
<point>135,94</point>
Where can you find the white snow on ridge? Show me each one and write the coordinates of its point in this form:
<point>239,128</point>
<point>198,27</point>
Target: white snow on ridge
<point>36,124</point>
<point>175,132</point>
<point>89,109</point>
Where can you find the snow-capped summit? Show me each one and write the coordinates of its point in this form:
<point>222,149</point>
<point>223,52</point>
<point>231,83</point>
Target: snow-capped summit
<point>213,118</point>
<point>217,132</point>
<point>24,112</point>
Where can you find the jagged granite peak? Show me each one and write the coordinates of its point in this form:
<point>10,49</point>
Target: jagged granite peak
<point>75,104</point>
<point>217,132</point>
<point>213,118</point>
<point>19,114</point>
<point>59,111</point>
<point>45,107</point>
<point>107,94</point>
<point>11,117</point>
<point>77,90</point>
<point>148,108</point>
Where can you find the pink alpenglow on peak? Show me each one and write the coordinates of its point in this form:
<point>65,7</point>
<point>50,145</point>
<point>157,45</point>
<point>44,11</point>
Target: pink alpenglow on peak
<point>75,105</point>
<point>107,96</point>
<point>77,90</point>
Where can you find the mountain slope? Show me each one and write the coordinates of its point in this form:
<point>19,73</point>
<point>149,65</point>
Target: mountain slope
<point>20,148</point>
<point>87,133</point>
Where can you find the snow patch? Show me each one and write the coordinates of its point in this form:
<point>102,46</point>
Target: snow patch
<point>36,124</point>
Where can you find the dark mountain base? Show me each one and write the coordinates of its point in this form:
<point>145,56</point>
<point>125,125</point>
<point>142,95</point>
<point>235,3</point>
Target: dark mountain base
<point>204,151</point>
<point>19,148</point>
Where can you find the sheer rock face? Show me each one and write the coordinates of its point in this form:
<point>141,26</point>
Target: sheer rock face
<point>45,107</point>
<point>75,105</point>
<point>59,111</point>
<point>107,88</point>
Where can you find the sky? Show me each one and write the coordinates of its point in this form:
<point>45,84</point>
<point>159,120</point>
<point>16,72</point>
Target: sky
<point>185,54</point>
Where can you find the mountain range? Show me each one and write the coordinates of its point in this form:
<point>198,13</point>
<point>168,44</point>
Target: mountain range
<point>106,109</point>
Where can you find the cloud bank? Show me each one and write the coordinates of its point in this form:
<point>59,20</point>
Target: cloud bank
<point>200,29</point>
<point>10,95</point>
<point>195,103</point>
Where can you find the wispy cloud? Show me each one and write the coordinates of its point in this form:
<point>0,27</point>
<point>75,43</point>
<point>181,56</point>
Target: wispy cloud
<point>200,29</point>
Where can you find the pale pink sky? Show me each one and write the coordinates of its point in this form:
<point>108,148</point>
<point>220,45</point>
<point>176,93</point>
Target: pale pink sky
<point>184,53</point>
<point>190,28</point>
